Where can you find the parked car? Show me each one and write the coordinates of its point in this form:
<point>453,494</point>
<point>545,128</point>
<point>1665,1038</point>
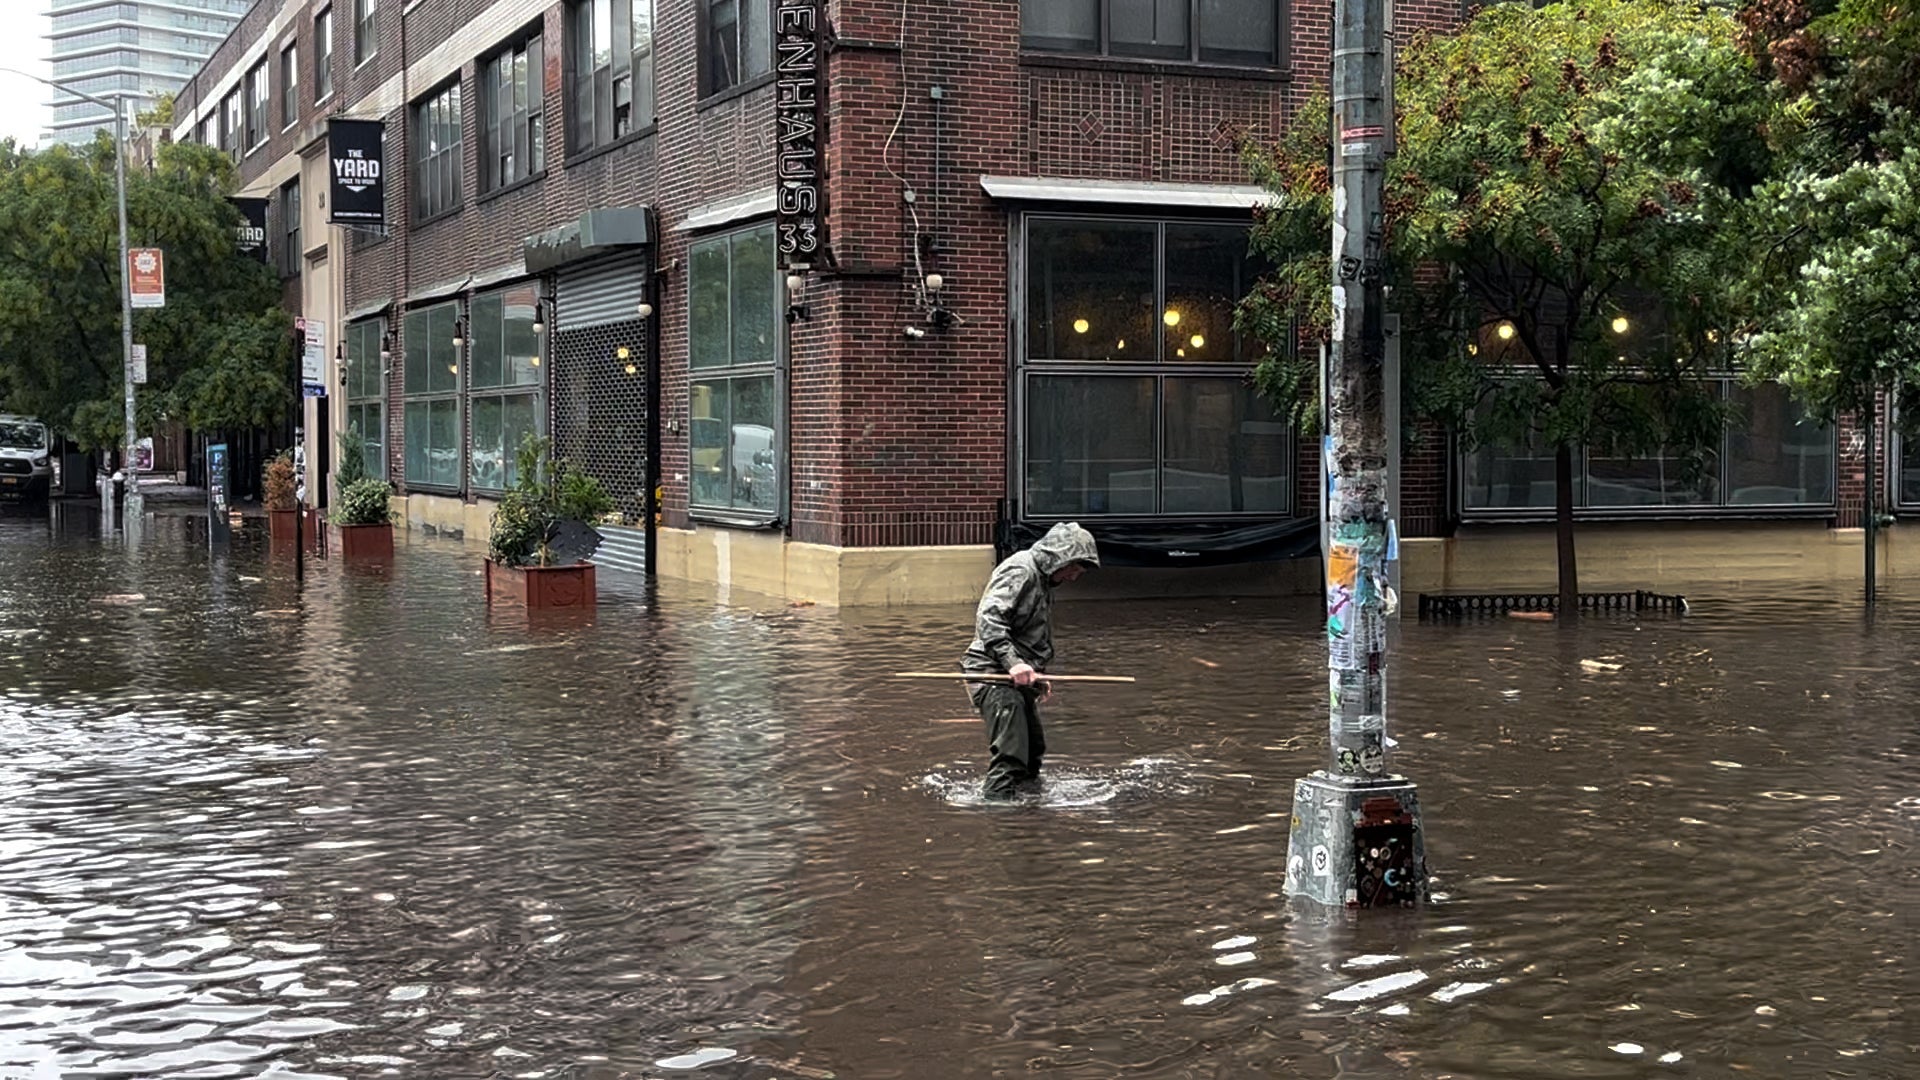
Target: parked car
<point>26,451</point>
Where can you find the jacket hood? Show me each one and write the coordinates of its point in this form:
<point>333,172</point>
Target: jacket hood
<point>1065,543</point>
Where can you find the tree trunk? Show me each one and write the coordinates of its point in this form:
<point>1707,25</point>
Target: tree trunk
<point>1563,531</point>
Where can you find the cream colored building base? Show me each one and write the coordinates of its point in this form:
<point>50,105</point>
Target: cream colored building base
<point>769,564</point>
<point>446,516</point>
<point>1665,556</point>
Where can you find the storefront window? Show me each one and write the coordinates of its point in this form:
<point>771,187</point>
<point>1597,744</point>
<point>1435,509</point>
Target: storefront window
<point>366,389</point>
<point>1135,383</point>
<point>431,383</point>
<point>1773,456</point>
<point>733,339</point>
<point>503,384</point>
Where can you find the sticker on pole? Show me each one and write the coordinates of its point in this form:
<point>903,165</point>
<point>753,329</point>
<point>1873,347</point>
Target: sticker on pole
<point>1322,861</point>
<point>147,278</point>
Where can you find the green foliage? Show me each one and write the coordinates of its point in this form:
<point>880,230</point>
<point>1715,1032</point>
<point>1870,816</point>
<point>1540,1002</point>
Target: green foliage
<point>366,501</point>
<point>1556,168</point>
<point>546,493</point>
<point>1832,303</point>
<point>218,353</point>
<point>276,481</point>
<point>353,458</point>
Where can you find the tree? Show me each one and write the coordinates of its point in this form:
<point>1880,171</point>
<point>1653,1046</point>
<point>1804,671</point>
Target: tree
<point>1552,217</point>
<point>219,354</point>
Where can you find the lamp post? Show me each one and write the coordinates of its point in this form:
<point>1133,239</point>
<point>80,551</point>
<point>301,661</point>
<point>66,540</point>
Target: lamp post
<point>134,504</point>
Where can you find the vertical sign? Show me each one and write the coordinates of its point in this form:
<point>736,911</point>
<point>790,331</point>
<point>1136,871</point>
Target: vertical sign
<point>358,191</point>
<point>313,358</point>
<point>250,236</point>
<point>147,277</point>
<point>139,365</point>
<point>800,210</point>
<point>219,529</point>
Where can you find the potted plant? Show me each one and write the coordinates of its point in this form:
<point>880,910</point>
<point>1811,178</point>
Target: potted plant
<point>277,481</point>
<point>363,520</point>
<point>540,540</point>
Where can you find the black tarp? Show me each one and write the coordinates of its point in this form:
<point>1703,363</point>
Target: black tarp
<point>1169,544</point>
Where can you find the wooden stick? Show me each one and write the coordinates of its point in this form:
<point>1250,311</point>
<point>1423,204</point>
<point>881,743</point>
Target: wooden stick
<point>982,676</point>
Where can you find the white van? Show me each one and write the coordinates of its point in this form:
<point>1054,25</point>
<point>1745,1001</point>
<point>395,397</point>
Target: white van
<point>26,466</point>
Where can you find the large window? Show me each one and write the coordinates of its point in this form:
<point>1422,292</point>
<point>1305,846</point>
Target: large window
<point>366,35</point>
<point>436,156</point>
<point>503,383</point>
<point>259,97</point>
<point>733,337</point>
<point>292,255</point>
<point>1135,382</point>
<point>739,42</point>
<point>1241,32</point>
<point>513,130</point>
<point>431,383</point>
<point>323,55</point>
<point>366,388</point>
<point>232,124</point>
<point>609,71</point>
<point>1773,456</point>
<point>289,86</point>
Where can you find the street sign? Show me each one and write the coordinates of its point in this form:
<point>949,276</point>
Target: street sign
<point>147,278</point>
<point>313,358</point>
<point>139,365</point>
<point>219,529</point>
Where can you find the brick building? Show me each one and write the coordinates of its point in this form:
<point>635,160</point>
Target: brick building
<point>1034,219</point>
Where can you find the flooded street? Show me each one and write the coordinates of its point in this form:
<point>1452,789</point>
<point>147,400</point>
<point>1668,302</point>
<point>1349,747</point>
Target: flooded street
<point>364,828</point>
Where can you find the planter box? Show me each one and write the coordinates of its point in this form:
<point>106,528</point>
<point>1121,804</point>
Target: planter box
<point>281,524</point>
<point>363,541</point>
<point>541,587</point>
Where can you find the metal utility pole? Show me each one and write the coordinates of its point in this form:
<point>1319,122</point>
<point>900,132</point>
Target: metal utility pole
<point>129,443</point>
<point>1356,836</point>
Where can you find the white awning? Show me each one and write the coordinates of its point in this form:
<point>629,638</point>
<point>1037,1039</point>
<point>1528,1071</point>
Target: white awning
<point>1126,192</point>
<point>727,211</point>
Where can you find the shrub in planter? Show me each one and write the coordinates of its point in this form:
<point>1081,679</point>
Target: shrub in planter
<point>540,536</point>
<point>363,519</point>
<point>277,481</point>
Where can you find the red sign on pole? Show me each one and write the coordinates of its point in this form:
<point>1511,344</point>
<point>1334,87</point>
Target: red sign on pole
<point>146,278</point>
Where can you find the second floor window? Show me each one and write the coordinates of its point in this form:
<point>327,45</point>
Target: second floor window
<point>290,250</point>
<point>289,86</point>
<point>232,118</point>
<point>366,36</point>
<point>739,43</point>
<point>1240,32</point>
<point>513,130</point>
<point>323,55</point>
<point>436,159</point>
<point>610,73</point>
<point>258,96</point>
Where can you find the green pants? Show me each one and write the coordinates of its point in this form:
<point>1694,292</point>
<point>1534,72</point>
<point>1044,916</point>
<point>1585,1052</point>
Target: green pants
<point>1013,737</point>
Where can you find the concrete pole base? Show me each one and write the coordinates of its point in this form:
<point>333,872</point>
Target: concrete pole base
<point>1357,843</point>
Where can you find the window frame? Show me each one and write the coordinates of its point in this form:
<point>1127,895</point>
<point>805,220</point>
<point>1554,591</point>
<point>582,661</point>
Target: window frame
<point>708,71</point>
<point>1160,370</point>
<point>456,395</point>
<point>257,103</point>
<point>292,254</point>
<point>636,65</point>
<point>1103,49</point>
<point>447,163</point>
<point>289,85</point>
<point>233,121</point>
<point>774,369</point>
<point>1726,383</point>
<point>366,31</point>
<point>471,393</point>
<point>533,115</point>
<point>364,339</point>
<point>323,55</point>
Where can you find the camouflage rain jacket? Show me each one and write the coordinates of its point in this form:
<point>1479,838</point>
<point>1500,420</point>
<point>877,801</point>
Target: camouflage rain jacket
<point>1015,619</point>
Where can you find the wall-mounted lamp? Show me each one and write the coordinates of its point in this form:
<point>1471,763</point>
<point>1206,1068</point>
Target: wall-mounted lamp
<point>935,283</point>
<point>386,347</point>
<point>539,317</point>
<point>645,309</point>
<point>796,286</point>
<point>459,332</point>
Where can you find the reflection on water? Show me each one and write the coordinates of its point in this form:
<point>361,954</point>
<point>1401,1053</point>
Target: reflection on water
<point>365,828</point>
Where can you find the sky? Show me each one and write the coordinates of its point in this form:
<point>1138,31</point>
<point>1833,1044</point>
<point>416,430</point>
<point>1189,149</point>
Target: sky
<point>23,45</point>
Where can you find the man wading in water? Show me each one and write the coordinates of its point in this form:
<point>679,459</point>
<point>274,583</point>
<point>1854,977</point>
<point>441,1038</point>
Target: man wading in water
<point>1013,634</point>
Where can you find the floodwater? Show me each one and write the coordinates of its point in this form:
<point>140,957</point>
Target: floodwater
<point>365,829</point>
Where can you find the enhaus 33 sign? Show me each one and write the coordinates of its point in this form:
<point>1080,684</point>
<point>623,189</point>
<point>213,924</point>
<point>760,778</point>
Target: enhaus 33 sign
<point>800,206</point>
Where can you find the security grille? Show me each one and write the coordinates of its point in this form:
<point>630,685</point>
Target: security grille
<point>600,406</point>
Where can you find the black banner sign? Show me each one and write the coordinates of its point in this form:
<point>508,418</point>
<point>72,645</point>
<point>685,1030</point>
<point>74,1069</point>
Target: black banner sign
<point>800,209</point>
<point>358,195</point>
<point>250,236</point>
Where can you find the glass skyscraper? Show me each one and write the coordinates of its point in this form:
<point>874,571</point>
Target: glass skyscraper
<point>129,49</point>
